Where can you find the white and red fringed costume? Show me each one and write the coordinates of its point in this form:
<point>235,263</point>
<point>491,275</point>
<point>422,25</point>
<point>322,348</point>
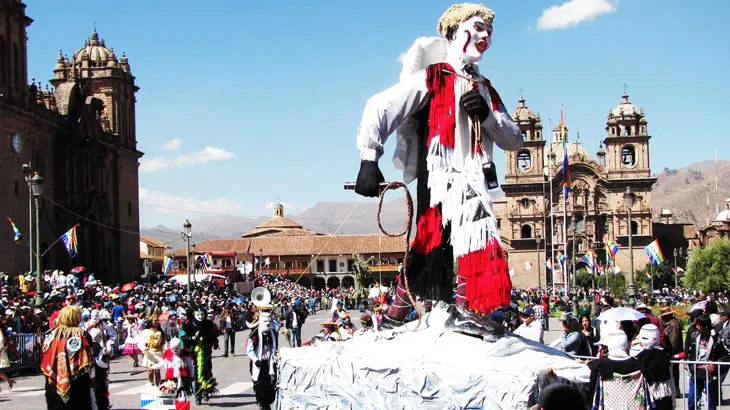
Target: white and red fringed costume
<point>443,145</point>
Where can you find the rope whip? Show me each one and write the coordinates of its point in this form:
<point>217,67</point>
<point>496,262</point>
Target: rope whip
<point>406,232</point>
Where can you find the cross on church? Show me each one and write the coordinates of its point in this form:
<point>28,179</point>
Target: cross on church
<point>625,87</point>
<point>521,90</point>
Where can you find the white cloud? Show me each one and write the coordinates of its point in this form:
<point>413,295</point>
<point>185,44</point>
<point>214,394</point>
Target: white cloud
<point>573,12</point>
<point>203,156</point>
<point>287,205</point>
<point>165,203</point>
<point>172,145</point>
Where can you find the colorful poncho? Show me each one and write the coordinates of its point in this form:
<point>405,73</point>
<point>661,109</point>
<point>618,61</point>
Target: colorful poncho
<point>66,356</point>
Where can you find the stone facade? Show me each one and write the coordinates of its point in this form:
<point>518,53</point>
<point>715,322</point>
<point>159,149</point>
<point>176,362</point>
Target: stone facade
<point>79,135</point>
<point>532,213</point>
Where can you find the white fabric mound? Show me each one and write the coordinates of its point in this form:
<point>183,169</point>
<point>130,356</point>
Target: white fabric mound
<point>426,368</point>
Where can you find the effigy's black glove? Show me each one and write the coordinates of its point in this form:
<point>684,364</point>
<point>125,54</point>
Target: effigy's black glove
<point>475,105</point>
<point>258,363</point>
<point>369,179</point>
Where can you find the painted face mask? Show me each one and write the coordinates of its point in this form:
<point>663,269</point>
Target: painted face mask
<point>649,336</point>
<point>470,40</point>
<point>199,315</point>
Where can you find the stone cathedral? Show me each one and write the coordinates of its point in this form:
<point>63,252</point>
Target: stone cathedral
<point>531,213</point>
<point>78,133</point>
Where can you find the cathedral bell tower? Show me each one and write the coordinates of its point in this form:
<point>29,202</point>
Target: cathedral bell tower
<point>527,164</point>
<point>101,75</point>
<point>13,52</point>
<point>627,142</point>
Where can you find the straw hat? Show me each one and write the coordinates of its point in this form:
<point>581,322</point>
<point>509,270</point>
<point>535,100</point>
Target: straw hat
<point>666,312</point>
<point>328,323</point>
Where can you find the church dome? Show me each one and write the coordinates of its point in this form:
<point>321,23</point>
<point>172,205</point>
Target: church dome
<point>625,108</point>
<point>724,215</point>
<point>95,51</point>
<point>523,114</point>
<point>573,150</point>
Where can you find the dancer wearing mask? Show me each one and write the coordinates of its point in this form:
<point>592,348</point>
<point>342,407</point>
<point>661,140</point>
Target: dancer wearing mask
<point>261,348</point>
<point>68,363</point>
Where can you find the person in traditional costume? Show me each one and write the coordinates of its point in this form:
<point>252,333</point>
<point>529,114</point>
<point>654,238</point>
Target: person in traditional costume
<point>366,322</point>
<point>151,342</point>
<point>201,336</point>
<point>656,367</point>
<point>67,361</point>
<point>102,351</point>
<point>5,347</point>
<point>448,118</point>
<point>132,330</point>
<point>177,366</point>
<point>261,348</point>
<point>330,333</point>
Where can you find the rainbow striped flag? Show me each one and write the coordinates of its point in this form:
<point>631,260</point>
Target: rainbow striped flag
<point>561,258</point>
<point>166,265</point>
<point>18,236</point>
<point>588,259</point>
<point>654,252</point>
<point>612,248</point>
<point>566,170</point>
<point>69,239</point>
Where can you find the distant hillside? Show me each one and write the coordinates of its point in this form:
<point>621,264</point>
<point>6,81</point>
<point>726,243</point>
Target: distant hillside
<point>690,192</point>
<point>685,191</point>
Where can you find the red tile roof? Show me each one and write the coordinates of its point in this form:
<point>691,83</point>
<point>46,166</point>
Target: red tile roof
<point>305,245</point>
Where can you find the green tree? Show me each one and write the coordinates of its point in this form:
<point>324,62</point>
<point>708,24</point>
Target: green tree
<point>709,268</point>
<point>362,269</point>
<point>616,284</point>
<point>662,275</point>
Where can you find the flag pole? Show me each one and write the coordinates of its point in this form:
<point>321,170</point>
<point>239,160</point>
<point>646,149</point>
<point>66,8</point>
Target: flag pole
<point>552,210</point>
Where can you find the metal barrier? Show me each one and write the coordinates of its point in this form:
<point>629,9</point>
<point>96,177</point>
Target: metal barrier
<point>702,383</point>
<point>698,382</point>
<point>29,348</point>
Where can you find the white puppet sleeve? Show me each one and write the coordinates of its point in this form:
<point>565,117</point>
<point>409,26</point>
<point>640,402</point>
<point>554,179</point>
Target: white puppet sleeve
<point>385,111</point>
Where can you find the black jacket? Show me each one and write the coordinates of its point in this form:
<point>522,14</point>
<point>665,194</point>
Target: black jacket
<point>288,316</point>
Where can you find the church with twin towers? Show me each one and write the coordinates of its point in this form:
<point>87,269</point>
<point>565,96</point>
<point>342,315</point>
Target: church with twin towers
<point>532,213</point>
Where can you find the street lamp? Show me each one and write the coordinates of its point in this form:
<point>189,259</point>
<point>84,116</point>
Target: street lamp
<point>574,227</point>
<point>36,185</point>
<point>629,199</point>
<point>538,241</point>
<point>261,260</point>
<point>187,235</point>
<point>29,177</point>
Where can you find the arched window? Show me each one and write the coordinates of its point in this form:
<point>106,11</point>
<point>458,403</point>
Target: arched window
<point>526,232</point>
<point>628,155</point>
<point>634,228</point>
<point>524,161</point>
<point>580,223</point>
<point>525,203</point>
<point>628,130</point>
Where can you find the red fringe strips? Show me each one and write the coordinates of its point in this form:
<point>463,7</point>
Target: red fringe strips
<point>488,285</point>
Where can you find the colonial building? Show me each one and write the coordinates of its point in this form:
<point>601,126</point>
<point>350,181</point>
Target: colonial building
<point>151,252</point>
<point>79,135</point>
<point>280,245</point>
<point>532,214</point>
<point>719,228</point>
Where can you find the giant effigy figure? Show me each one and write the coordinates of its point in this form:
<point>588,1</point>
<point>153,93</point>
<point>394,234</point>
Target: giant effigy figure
<point>448,118</point>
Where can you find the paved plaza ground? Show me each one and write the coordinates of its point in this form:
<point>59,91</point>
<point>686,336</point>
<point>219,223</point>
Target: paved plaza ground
<point>236,388</point>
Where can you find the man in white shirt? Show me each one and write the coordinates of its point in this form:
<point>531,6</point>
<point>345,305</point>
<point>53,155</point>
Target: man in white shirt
<point>530,328</point>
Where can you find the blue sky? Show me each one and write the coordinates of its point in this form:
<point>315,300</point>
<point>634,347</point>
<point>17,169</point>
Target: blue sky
<point>265,97</point>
